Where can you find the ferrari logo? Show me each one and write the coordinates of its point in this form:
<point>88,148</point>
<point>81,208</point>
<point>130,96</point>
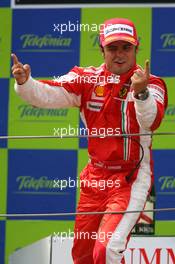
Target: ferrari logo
<point>122,91</point>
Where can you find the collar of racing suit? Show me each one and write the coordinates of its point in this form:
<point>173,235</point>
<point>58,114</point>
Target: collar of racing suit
<point>125,77</point>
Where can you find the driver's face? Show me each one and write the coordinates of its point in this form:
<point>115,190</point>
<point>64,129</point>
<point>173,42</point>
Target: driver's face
<point>119,56</point>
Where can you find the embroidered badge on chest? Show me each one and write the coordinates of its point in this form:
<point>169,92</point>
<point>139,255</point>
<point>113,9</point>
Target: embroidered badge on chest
<point>99,91</point>
<point>123,92</point>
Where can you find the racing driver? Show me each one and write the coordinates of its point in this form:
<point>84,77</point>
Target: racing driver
<point>124,99</point>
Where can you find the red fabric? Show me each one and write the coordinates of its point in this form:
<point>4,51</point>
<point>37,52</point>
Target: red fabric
<point>91,250</point>
<point>105,106</point>
<point>99,253</point>
<point>110,116</point>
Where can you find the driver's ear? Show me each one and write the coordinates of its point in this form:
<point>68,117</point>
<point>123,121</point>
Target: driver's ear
<point>137,49</point>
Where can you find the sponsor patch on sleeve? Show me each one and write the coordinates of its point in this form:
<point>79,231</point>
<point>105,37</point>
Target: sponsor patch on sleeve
<point>157,92</point>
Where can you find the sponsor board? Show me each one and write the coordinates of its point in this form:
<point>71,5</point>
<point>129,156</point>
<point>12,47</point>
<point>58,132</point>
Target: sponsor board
<point>69,3</point>
<point>25,119</point>
<point>163,41</point>
<point>5,41</point>
<point>33,185</point>
<point>5,3</point>
<point>147,250</point>
<point>154,250</point>
<point>164,170</point>
<point>4,90</point>
<point>2,239</point>
<point>3,180</point>
<point>39,44</point>
<point>168,123</point>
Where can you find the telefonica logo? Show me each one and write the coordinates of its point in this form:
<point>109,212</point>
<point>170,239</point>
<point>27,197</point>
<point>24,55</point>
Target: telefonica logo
<point>46,41</point>
<point>168,40</point>
<point>95,40</point>
<point>167,183</point>
<point>29,183</point>
<point>170,113</point>
<point>29,111</point>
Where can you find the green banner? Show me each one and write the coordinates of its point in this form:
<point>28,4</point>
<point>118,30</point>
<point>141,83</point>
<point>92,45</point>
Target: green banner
<point>168,124</point>
<point>3,179</point>
<point>5,41</point>
<point>25,120</point>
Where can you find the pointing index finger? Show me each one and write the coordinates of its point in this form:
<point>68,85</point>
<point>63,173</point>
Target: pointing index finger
<point>15,59</point>
<point>147,69</point>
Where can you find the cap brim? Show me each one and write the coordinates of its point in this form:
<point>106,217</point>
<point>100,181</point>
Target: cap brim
<point>114,38</point>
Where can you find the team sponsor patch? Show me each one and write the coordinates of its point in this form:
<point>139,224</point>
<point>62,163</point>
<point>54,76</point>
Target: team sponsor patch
<point>157,92</point>
<point>94,106</point>
<point>118,28</point>
<point>99,91</point>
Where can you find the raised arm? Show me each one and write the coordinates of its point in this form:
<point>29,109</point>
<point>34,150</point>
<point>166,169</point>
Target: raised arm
<point>149,111</point>
<point>48,94</point>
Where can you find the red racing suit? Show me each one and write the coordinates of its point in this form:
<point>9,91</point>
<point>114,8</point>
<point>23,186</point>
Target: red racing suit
<point>107,106</point>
